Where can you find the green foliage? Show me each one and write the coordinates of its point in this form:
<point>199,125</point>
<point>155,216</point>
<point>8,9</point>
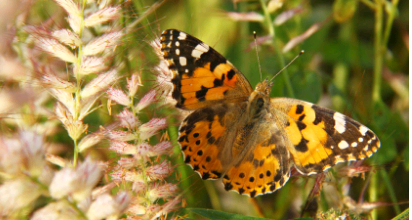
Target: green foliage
<point>213,214</point>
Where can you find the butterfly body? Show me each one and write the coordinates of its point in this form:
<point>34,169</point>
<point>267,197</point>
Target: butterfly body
<point>243,136</point>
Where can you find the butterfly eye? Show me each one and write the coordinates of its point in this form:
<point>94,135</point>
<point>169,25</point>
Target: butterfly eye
<point>259,103</point>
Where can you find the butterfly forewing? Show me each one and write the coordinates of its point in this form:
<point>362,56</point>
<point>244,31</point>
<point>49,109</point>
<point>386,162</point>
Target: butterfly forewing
<point>201,76</point>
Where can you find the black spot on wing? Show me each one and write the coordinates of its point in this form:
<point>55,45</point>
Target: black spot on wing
<point>302,146</point>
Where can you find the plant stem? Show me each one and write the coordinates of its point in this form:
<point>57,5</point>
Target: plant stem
<point>388,27</point>
<point>279,53</point>
<point>369,4</point>
<point>377,67</point>
<point>78,82</point>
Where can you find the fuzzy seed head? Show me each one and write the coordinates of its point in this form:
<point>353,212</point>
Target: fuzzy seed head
<point>128,119</point>
<point>151,128</point>
<point>159,171</point>
<point>118,96</point>
<point>102,16</point>
<point>98,84</point>
<point>91,65</point>
<point>67,37</point>
<point>133,84</point>
<point>69,6</point>
<point>100,44</point>
<point>146,100</point>
<point>54,48</point>
<point>162,191</point>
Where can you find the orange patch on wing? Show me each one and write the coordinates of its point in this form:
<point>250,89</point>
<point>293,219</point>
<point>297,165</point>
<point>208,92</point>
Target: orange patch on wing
<point>202,153</point>
<point>216,93</point>
<point>223,69</point>
<point>204,71</point>
<point>293,131</point>
<point>193,84</point>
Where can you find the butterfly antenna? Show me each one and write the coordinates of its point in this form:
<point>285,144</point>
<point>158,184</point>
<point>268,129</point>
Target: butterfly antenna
<point>301,52</point>
<point>257,55</point>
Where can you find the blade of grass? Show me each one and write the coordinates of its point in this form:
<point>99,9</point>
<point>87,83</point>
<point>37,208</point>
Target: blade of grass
<point>279,54</point>
<point>391,190</point>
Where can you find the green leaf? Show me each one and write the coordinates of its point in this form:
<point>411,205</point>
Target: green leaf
<point>403,216</point>
<point>213,214</point>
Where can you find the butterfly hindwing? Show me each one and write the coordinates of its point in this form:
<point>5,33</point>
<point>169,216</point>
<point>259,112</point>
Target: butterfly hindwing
<point>265,168</point>
<point>201,76</point>
<point>204,139</point>
<point>320,138</point>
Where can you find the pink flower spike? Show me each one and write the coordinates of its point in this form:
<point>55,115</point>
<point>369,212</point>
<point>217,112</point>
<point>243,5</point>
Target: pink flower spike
<point>100,44</point>
<point>17,194</point>
<point>107,207</point>
<point>101,16</point>
<point>245,16</point>
<point>122,147</point>
<point>88,175</point>
<point>57,210</point>
<point>121,175</point>
<point>65,98</point>
<point>143,150</point>
<point>118,96</point>
<point>157,46</point>
<point>159,171</point>
<point>156,211</point>
<point>146,100</point>
<point>91,65</point>
<point>164,79</point>
<point>126,163</point>
<point>75,23</point>
<point>102,190</point>
<point>23,153</point>
<point>133,84</point>
<point>98,84</point>
<point>128,119</point>
<point>122,200</point>
<point>102,208</point>
<point>164,191</point>
<point>54,48</point>
<point>69,6</point>
<point>119,135</point>
<point>50,80</point>
<point>89,140</point>
<point>77,183</point>
<point>152,127</point>
<point>67,37</point>
<point>63,183</point>
<point>162,148</point>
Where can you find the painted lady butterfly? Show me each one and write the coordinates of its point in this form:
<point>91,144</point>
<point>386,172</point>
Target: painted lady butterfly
<point>243,135</point>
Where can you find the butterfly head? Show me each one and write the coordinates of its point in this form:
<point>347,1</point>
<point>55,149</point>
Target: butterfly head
<point>259,99</point>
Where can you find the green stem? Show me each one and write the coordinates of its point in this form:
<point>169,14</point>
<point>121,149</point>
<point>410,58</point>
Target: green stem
<point>369,4</point>
<point>272,33</point>
<point>391,191</point>
<point>377,67</point>
<point>74,206</point>
<point>78,82</point>
<point>391,16</point>
<point>373,193</point>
